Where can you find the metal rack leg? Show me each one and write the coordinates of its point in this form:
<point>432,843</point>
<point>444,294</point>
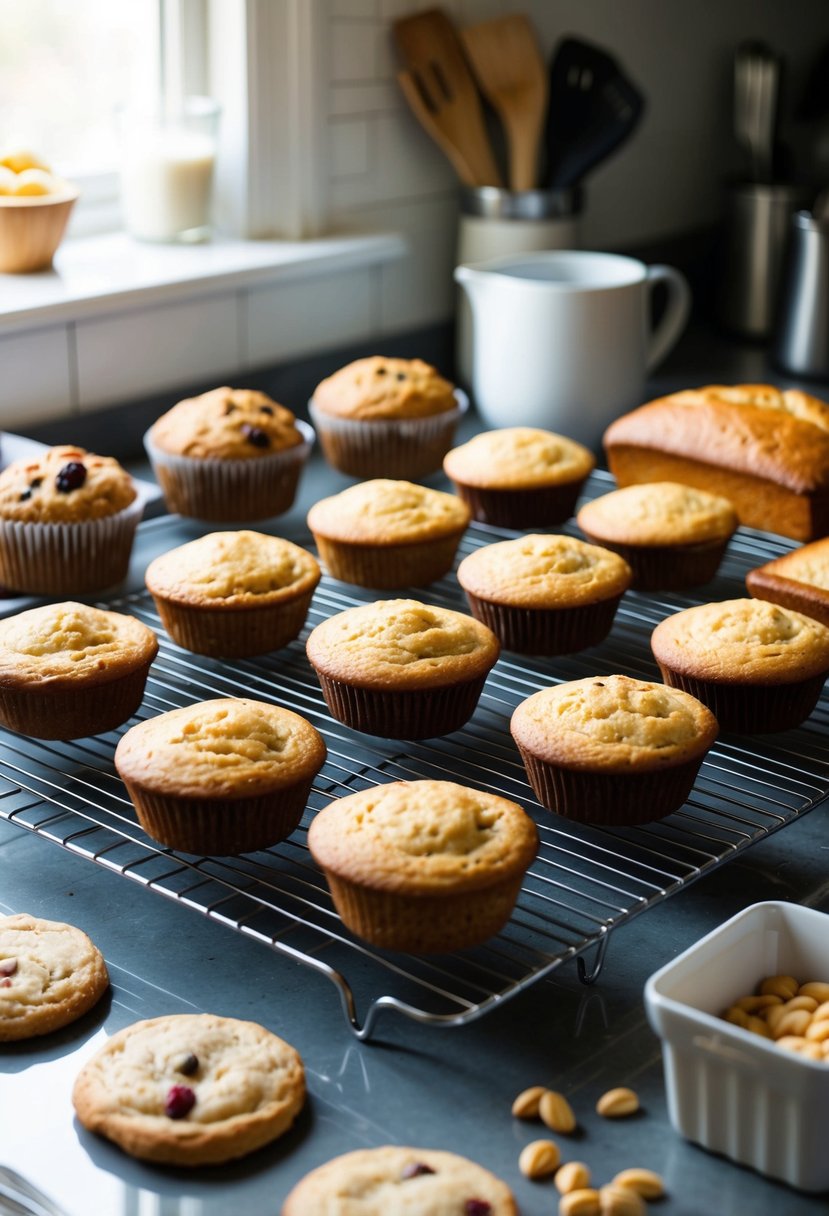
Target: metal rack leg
<point>590,977</point>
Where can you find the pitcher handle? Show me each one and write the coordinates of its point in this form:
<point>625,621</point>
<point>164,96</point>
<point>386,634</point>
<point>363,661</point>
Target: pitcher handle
<point>676,315</point>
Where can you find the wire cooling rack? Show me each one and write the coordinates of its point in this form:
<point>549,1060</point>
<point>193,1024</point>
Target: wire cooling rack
<point>585,882</point>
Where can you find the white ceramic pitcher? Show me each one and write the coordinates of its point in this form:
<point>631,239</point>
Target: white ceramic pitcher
<point>563,340</point>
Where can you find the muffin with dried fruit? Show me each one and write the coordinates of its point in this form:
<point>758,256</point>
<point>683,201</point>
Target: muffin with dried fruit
<point>67,522</point>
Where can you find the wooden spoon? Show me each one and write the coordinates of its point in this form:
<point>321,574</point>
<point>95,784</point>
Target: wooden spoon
<point>508,66</point>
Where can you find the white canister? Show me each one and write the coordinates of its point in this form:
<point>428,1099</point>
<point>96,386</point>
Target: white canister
<point>494,223</point>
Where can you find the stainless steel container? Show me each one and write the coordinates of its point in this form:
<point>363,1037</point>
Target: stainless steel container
<point>801,343</point>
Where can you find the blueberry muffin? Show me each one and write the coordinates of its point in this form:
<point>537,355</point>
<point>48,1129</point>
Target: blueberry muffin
<point>67,522</point>
<point>228,454</point>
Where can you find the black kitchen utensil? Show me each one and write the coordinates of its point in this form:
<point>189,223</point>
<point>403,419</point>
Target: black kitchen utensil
<point>594,108</point>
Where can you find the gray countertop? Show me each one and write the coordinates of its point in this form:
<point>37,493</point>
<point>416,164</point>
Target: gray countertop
<point>418,1085</point>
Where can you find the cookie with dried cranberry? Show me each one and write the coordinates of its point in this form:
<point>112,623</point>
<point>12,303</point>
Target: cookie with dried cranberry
<point>50,975</point>
<point>191,1089</point>
<point>379,1181</point>
<point>67,522</point>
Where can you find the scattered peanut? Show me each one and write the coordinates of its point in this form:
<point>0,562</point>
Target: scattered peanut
<point>620,1201</point>
<point>816,989</point>
<point>779,985</point>
<point>580,1203</point>
<point>526,1104</point>
<point>646,1183</point>
<point>574,1176</point>
<point>617,1103</point>
<point>539,1158</point>
<point>557,1113</point>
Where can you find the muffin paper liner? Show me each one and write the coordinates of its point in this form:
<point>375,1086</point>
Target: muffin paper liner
<point>423,924</point>
<point>546,631</point>
<point>220,826</point>
<point>412,714</point>
<point>752,708</point>
<point>234,633</point>
<point>74,713</point>
<point>389,567</point>
<point>231,491</point>
<point>68,558</point>
<point>668,567</point>
<point>404,447</point>
<point>612,799</point>
<point>521,508</point>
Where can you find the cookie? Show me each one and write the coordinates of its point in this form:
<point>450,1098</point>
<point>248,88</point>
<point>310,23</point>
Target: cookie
<point>50,974</point>
<point>191,1089</point>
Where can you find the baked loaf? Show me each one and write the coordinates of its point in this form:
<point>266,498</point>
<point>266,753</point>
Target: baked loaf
<point>226,424</point>
<point>423,866</point>
<point>191,1089</point>
<point>383,388</point>
<point>798,580</point>
<point>764,449</point>
<point>391,1181</point>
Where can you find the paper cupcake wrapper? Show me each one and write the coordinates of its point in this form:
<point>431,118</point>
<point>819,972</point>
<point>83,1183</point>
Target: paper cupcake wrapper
<point>389,567</point>
<point>404,447</point>
<point>228,633</point>
<point>68,558</point>
<point>535,508</point>
<point>412,714</point>
<point>611,799</point>
<point>546,631</point>
<point>76,713</point>
<point>231,491</point>
<point>423,925</point>
<point>752,709</point>
<point>668,567</point>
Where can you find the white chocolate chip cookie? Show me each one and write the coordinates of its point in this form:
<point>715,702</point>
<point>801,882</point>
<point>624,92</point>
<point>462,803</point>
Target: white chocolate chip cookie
<point>191,1089</point>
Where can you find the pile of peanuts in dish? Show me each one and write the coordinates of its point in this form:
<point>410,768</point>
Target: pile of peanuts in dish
<point>794,1015</point>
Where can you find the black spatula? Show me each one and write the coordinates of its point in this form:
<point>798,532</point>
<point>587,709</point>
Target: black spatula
<point>594,108</point>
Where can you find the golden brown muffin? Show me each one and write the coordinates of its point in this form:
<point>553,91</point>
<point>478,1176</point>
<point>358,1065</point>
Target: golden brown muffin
<point>545,594</point>
<point>392,1180</point>
<point>402,669</point>
<point>613,750</point>
<point>67,522</point>
<point>763,448</point>
<point>68,670</point>
<point>223,776</point>
<point>798,580</point>
<point>519,477</point>
<point>381,417</point>
<point>423,866</point>
<point>671,535</point>
<point>757,666</point>
<point>233,594</point>
<point>228,454</point>
<point>388,534</point>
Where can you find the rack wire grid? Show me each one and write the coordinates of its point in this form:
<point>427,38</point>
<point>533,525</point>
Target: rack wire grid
<point>585,882</point>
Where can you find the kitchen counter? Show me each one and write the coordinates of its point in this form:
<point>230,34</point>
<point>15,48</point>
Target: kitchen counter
<point>418,1085</point>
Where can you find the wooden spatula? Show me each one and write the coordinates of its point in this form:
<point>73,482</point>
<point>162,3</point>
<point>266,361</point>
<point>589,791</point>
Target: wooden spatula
<point>512,75</point>
<point>440,89</point>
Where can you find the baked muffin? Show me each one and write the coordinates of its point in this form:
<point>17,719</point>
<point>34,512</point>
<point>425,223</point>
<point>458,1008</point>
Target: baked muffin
<point>228,454</point>
<point>390,1180</point>
<point>223,776</point>
<point>402,669</point>
<point>519,477</point>
<point>67,522</point>
<point>612,750</point>
<point>671,535</point>
<point>191,1089</point>
<point>423,866</point>
<point>798,580</point>
<point>757,666</point>
<point>545,594</point>
<point>68,670</point>
<point>381,417</point>
<point>388,534</point>
<point>233,594</point>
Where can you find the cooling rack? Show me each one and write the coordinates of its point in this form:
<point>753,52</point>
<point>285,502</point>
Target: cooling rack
<point>585,882</point>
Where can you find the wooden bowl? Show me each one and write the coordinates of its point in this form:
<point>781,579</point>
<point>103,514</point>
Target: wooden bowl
<point>31,228</point>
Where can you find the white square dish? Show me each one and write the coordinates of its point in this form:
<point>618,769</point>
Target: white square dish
<point>730,1090</point>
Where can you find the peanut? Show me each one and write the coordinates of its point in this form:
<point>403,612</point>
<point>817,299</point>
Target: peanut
<point>774,1015</point>
<point>617,1103</point>
<point>758,1026</point>
<point>574,1176</point>
<point>821,1012</point>
<point>646,1183</point>
<point>792,1042</point>
<point>753,1004</point>
<point>801,1002</point>
<point>526,1104</point>
<point>812,1051</point>
<point>737,1016</point>
<point>818,1031</point>
<point>792,1023</point>
<point>557,1113</point>
<point>779,985</point>
<point>620,1201</point>
<point>539,1158</point>
<point>816,989</point>
<point>580,1203</point>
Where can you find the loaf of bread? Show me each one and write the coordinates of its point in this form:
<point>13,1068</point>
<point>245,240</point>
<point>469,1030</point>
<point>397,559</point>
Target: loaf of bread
<point>765,449</point>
